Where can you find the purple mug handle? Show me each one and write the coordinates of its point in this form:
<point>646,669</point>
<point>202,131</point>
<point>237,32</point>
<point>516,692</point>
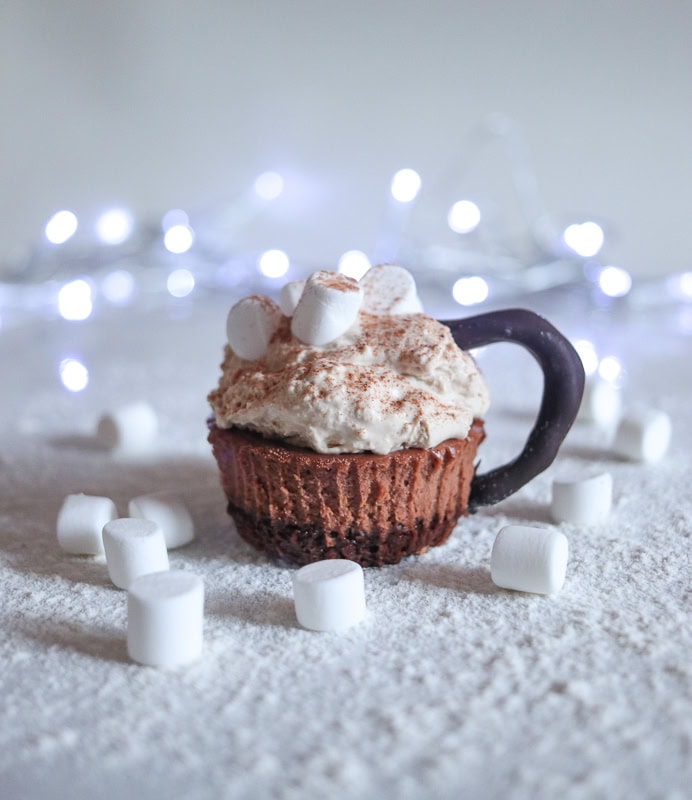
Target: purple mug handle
<point>563,387</point>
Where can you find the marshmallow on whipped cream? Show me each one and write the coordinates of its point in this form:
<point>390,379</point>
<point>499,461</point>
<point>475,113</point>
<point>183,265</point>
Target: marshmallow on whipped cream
<point>392,378</point>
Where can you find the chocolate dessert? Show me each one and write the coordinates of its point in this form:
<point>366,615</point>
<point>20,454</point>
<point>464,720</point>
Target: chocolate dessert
<point>302,506</point>
<point>346,422</point>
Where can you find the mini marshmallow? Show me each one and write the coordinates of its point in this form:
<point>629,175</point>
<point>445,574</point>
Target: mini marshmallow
<point>130,428</point>
<point>643,435</point>
<point>585,501</point>
<point>133,547</point>
<point>289,297</point>
<point>602,403</point>
<point>327,308</point>
<point>250,325</point>
<point>529,559</point>
<point>165,617</point>
<point>390,289</point>
<point>329,595</point>
<point>80,523</point>
<point>168,511</point>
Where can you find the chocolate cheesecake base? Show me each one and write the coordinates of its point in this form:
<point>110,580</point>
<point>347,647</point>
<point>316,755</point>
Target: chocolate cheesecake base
<point>302,506</point>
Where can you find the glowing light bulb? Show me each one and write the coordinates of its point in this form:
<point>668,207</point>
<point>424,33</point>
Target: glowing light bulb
<point>74,300</point>
<point>464,216</point>
<point>269,185</point>
<point>178,239</point>
<point>114,226</point>
<point>273,263</point>
<point>61,227</point>
<point>588,355</point>
<point>586,239</point>
<point>610,369</point>
<point>118,286</point>
<point>176,216</point>
<point>354,263</point>
<point>73,374</point>
<point>406,184</point>
<point>614,281</point>
<point>180,282</point>
<point>470,290</point>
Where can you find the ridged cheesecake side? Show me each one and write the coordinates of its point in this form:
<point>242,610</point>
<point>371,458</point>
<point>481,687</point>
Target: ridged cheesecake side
<point>304,506</point>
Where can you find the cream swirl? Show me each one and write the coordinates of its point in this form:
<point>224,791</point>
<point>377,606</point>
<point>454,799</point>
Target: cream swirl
<point>388,383</point>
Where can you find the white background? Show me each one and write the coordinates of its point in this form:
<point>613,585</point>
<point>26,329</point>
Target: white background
<point>161,103</point>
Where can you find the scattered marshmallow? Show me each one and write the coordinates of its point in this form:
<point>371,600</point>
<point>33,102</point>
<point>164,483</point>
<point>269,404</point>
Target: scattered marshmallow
<point>80,523</point>
<point>390,289</point>
<point>165,616</point>
<point>133,547</point>
<point>327,308</point>
<point>329,595</point>
<point>602,403</point>
<point>289,297</point>
<point>130,428</point>
<point>168,511</point>
<point>250,325</point>
<point>643,435</point>
<point>529,559</point>
<point>585,501</point>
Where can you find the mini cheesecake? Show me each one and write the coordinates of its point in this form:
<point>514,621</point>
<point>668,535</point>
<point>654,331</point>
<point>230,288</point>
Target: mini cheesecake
<point>301,506</point>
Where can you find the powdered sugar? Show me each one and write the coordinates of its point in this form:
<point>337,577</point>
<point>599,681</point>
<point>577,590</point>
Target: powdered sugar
<point>452,687</point>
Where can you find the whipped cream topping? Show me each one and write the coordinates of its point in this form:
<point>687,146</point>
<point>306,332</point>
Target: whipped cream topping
<point>389,382</point>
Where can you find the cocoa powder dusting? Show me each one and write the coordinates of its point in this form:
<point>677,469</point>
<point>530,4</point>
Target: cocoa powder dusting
<point>333,280</point>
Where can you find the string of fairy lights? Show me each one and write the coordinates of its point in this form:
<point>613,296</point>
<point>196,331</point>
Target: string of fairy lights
<point>77,268</point>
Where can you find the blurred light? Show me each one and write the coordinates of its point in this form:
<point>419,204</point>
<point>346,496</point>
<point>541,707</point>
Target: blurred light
<point>470,290</point>
<point>588,355</point>
<point>406,184</point>
<point>681,285</point>
<point>180,282</point>
<point>118,286</point>
<point>61,227</point>
<point>686,284</point>
<point>463,216</point>
<point>74,300</point>
<point>114,226</point>
<point>610,369</point>
<point>273,263</point>
<point>269,185</point>
<point>354,263</point>
<point>586,239</point>
<point>176,216</point>
<point>614,281</point>
<point>178,239</point>
<point>73,374</point>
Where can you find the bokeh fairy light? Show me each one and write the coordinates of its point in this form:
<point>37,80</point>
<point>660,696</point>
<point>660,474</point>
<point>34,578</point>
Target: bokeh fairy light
<point>75,300</point>
<point>464,216</point>
<point>61,227</point>
<point>405,185</point>
<point>470,290</point>
<point>73,374</point>
<point>354,264</point>
<point>273,263</point>
<point>80,267</point>
<point>114,226</point>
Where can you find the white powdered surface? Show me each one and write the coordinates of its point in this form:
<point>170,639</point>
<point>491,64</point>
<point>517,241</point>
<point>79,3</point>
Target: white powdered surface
<point>451,688</point>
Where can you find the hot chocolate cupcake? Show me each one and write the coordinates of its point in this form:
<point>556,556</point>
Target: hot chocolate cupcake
<point>346,422</point>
